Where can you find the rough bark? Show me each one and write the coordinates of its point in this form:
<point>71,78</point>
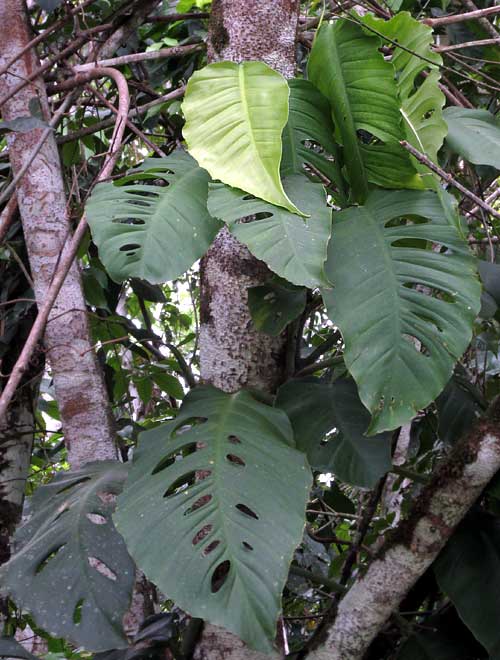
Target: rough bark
<point>233,354</point>
<point>415,543</point>
<point>80,392</point>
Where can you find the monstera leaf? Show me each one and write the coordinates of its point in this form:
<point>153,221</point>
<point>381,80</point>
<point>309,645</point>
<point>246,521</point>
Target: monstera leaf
<point>226,477</point>
<point>275,304</point>
<point>346,66</point>
<point>421,99</point>
<point>235,114</point>
<point>308,135</point>
<point>329,422</point>
<point>474,134</point>
<point>374,264</point>
<point>292,246</point>
<point>150,231</point>
<point>70,568</point>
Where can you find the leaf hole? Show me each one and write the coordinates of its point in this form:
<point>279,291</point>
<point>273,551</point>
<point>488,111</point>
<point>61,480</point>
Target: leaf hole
<point>201,534</point>
<point>201,501</point>
<point>129,246</point>
<point>247,546</point>
<point>180,484</point>
<point>219,576</point>
<point>47,558</point>
<point>77,612</point>
<point>211,547</point>
<point>248,197</point>
<point>187,424</point>
<point>173,456</point>
<point>234,440</point>
<point>247,511</point>
<point>235,460</point>
<point>96,518</point>
<point>101,568</point>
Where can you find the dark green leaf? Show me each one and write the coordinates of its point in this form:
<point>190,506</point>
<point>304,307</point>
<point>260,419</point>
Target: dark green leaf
<point>379,311</point>
<point>10,648</point>
<point>275,304</point>
<point>246,515</point>
<point>53,573</point>
<point>316,408</point>
<point>474,134</point>
<point>432,645</point>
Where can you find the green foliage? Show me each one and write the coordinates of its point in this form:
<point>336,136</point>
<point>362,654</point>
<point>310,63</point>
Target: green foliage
<point>10,648</point>
<point>371,262</point>
<point>468,572</point>
<point>293,247</point>
<point>71,569</point>
<point>474,134</point>
<point>150,231</point>
<point>275,304</point>
<point>421,99</point>
<point>226,477</point>
<point>329,422</point>
<point>235,114</point>
<point>347,68</point>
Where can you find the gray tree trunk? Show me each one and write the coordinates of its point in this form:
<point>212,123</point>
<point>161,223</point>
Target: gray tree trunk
<point>233,354</point>
<point>81,396</point>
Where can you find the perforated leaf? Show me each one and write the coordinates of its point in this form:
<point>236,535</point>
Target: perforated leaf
<point>308,135</point>
<point>374,265</point>
<point>153,224</point>
<point>421,99</point>
<point>235,114</point>
<point>329,422</point>
<point>70,568</point>
<point>292,246</point>
<point>474,134</point>
<point>220,495</point>
<point>347,67</point>
<point>275,304</point>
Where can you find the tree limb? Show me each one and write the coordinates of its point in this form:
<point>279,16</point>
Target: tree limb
<point>416,542</point>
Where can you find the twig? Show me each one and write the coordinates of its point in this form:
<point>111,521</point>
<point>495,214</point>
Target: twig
<point>485,24</point>
<point>467,44</point>
<point>317,578</point>
<point>324,364</point>
<point>446,176</point>
<point>460,18</point>
<point>70,248</point>
<point>140,57</point>
<point>7,216</point>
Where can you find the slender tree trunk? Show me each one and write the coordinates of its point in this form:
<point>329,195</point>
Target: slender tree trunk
<point>80,392</point>
<point>233,354</point>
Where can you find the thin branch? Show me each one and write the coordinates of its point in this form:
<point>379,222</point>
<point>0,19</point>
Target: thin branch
<point>175,51</point>
<point>446,176</point>
<point>482,20</point>
<point>324,364</point>
<point>7,216</point>
<point>467,44</point>
<point>460,18</point>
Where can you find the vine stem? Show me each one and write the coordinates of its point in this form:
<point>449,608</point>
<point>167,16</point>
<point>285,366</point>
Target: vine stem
<point>446,176</point>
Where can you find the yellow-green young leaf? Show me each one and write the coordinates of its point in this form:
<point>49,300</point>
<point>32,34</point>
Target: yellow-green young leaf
<point>235,114</point>
<point>421,99</point>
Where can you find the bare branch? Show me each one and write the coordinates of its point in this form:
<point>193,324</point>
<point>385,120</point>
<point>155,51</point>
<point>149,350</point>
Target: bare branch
<point>460,18</point>
<point>140,57</point>
<point>467,44</point>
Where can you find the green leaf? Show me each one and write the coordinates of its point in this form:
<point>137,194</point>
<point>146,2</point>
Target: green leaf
<point>421,99</point>
<point>53,573</point>
<point>316,408</point>
<point>235,114</point>
<point>245,515</point>
<point>10,648</point>
<point>275,304</point>
<point>433,645</point>
<point>293,247</point>
<point>468,571</point>
<point>149,231</point>
<point>309,126</point>
<point>458,408</point>
<point>374,265</point>
<point>169,384</point>
<point>474,134</point>
<point>347,68</point>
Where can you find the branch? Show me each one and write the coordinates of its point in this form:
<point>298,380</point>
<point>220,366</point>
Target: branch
<point>70,249</point>
<point>446,176</point>
<point>140,57</point>
<point>7,216</point>
<point>467,44</point>
<point>460,18</point>
<point>416,542</point>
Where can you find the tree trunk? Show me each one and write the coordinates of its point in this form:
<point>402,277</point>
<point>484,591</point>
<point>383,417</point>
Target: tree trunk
<point>233,354</point>
<point>80,393</point>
